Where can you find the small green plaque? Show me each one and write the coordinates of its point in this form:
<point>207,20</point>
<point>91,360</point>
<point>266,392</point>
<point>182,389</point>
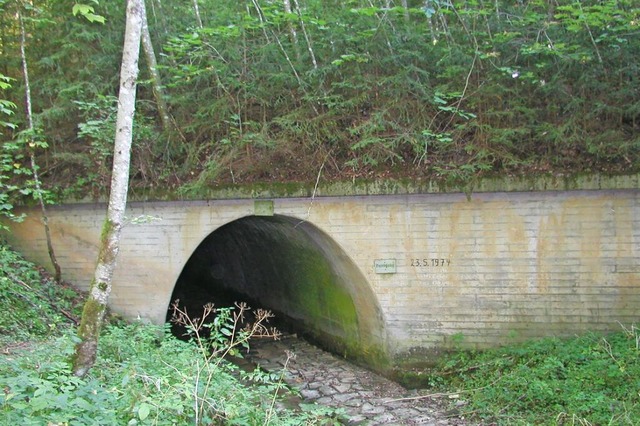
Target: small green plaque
<point>263,207</point>
<point>385,266</point>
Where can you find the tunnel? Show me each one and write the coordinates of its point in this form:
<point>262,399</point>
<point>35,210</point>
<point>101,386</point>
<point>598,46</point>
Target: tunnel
<point>297,271</point>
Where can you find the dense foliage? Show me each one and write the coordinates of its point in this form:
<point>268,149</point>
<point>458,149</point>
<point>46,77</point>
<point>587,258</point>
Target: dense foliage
<point>269,90</point>
<point>151,378</point>
<point>588,380</point>
<point>31,305</point>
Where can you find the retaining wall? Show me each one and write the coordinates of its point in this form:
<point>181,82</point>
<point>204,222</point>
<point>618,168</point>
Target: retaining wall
<point>442,268</point>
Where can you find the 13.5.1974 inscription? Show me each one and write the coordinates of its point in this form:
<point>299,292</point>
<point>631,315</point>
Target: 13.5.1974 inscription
<point>430,262</point>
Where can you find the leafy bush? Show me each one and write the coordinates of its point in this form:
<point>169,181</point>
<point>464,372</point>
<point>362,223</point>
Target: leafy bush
<point>39,388</point>
<point>587,380</point>
<point>143,376</point>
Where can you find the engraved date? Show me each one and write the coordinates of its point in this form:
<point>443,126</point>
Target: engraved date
<point>436,262</point>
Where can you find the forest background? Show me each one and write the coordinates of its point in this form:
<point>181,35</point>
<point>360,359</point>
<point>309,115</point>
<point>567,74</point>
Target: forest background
<point>283,90</point>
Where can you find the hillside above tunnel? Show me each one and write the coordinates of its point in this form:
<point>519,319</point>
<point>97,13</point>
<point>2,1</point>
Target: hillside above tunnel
<point>439,94</point>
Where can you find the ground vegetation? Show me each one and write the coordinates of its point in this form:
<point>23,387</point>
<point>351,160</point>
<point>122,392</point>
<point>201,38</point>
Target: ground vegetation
<point>270,91</point>
<point>589,379</point>
<point>154,378</point>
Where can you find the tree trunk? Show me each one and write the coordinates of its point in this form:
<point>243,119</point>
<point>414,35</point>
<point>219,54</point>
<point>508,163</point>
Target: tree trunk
<point>292,29</point>
<point>306,36</point>
<point>156,82</point>
<point>405,6</point>
<point>32,155</point>
<point>96,304</point>
<point>196,10</point>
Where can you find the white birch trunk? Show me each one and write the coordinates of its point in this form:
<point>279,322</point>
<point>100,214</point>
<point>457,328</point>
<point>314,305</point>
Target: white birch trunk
<point>32,154</point>
<point>156,82</point>
<point>96,304</point>
<point>196,10</point>
<point>405,6</point>
<point>292,30</point>
<point>306,36</point>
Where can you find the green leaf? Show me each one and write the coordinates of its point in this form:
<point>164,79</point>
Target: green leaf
<point>366,11</point>
<point>81,9</point>
<point>143,411</point>
<point>95,18</point>
<point>87,12</point>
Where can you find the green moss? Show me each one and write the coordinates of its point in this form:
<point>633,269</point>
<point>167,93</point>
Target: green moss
<point>392,186</point>
<point>328,307</point>
<point>331,313</point>
<point>106,254</point>
<point>107,228</point>
<point>91,322</point>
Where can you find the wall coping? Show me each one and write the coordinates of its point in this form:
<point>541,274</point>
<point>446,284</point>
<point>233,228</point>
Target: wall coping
<point>387,186</point>
<point>359,187</point>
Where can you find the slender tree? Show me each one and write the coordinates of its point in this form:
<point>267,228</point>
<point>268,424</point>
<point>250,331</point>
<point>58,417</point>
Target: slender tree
<point>306,36</point>
<point>96,304</point>
<point>196,10</point>
<point>32,145</point>
<point>405,6</point>
<point>292,28</point>
<point>156,82</point>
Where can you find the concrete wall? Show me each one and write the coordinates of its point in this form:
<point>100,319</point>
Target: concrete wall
<point>497,267</point>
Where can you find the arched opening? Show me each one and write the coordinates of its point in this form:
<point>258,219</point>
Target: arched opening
<point>295,270</point>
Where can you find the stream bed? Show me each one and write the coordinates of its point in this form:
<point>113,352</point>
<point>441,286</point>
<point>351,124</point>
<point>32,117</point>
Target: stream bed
<point>365,397</point>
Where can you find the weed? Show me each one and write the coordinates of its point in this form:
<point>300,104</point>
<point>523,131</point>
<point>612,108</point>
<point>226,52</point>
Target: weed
<point>586,380</point>
<point>143,375</point>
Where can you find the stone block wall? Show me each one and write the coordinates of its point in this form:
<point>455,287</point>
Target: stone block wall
<point>501,266</point>
<point>445,270</point>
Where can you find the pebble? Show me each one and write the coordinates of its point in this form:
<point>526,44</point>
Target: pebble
<point>364,397</point>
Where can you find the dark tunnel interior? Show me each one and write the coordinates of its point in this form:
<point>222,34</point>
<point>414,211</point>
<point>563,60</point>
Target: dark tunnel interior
<point>292,268</point>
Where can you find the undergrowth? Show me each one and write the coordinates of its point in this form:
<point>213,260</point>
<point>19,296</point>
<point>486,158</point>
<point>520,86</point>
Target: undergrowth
<point>143,375</point>
<point>32,305</point>
<point>587,380</point>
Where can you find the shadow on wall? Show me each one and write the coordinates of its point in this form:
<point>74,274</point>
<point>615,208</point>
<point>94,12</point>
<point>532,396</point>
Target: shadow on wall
<point>295,270</point>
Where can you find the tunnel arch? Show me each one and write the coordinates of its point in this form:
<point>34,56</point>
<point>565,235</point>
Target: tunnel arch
<point>294,269</point>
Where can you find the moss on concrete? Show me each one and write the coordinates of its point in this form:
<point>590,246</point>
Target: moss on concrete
<point>290,268</point>
<point>387,186</point>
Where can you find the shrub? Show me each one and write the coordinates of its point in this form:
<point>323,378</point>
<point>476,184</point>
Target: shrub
<point>590,379</point>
